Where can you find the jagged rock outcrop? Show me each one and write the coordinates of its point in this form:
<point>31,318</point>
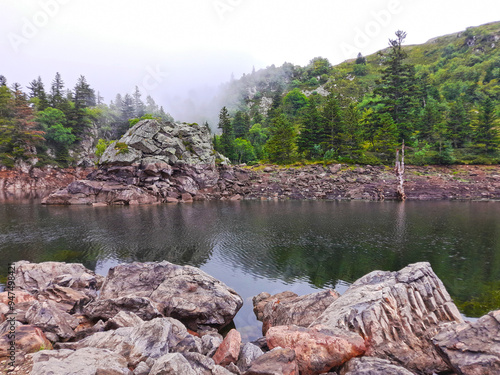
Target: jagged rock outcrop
<point>288,308</point>
<point>153,161</point>
<point>472,348</point>
<point>182,292</point>
<point>397,313</point>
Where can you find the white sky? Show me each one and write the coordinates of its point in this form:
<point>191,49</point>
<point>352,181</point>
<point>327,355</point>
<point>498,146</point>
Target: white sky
<point>165,46</point>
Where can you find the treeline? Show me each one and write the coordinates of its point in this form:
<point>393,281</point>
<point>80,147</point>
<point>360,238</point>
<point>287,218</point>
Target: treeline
<point>361,112</point>
<point>49,125</point>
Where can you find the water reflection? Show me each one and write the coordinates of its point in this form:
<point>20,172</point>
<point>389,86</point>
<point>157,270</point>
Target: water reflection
<point>272,246</point>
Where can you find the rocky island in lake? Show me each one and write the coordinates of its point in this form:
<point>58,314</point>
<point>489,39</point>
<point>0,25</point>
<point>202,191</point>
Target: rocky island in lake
<point>161,318</point>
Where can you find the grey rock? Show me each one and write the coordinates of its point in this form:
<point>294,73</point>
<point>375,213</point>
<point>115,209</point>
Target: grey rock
<point>472,347</point>
<point>151,339</point>
<point>47,316</point>
<point>210,343</point>
<point>108,308</point>
<point>372,366</point>
<point>87,361</point>
<point>88,192</point>
<point>38,277</point>
<point>142,369</point>
<point>288,308</point>
<point>149,138</point>
<point>397,313</point>
<point>186,293</point>
<point>249,352</point>
<point>172,364</point>
<point>123,319</point>
<point>278,361</point>
<point>201,364</point>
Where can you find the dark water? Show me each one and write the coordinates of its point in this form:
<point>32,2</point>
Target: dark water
<point>271,246</point>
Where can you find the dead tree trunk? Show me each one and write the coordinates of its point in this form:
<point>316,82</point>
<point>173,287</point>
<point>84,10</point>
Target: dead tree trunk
<point>399,169</point>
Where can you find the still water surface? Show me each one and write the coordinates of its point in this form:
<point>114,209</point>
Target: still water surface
<point>271,246</point>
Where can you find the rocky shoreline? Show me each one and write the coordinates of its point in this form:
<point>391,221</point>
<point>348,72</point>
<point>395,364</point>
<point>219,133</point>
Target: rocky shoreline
<point>163,162</point>
<point>161,318</point>
<point>264,182</point>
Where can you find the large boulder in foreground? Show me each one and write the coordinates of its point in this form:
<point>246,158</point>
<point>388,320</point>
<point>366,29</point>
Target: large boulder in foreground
<point>372,366</point>
<point>288,308</point>
<point>183,292</point>
<point>472,348</point>
<point>38,278</point>
<point>397,313</point>
<point>87,361</point>
<point>318,348</point>
<point>151,339</point>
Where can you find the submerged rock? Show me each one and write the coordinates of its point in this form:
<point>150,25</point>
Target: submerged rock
<point>397,313</point>
<point>472,347</point>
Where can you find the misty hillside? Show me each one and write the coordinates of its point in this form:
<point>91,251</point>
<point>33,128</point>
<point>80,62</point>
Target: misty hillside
<point>442,98</point>
<point>449,87</point>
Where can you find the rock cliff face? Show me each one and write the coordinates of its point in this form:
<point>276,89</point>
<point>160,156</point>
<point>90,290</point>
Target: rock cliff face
<point>155,161</point>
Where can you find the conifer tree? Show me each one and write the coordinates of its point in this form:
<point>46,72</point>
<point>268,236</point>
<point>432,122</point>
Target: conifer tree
<point>139,107</point>
<point>458,124</point>
<point>37,93</point>
<point>227,137</point>
<point>241,124</point>
<point>486,131</point>
<point>281,145</point>
<point>332,136</point>
<point>312,129</point>
<point>57,99</point>
<point>397,86</point>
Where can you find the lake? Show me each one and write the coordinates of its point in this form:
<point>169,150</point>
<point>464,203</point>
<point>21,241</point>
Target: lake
<point>256,246</point>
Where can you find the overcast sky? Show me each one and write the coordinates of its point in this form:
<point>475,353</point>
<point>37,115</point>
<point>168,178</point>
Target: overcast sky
<point>166,46</point>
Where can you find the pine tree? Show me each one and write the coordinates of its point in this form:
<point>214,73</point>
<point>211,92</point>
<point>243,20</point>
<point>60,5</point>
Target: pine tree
<point>84,95</point>
<point>227,137</point>
<point>352,130</point>
<point>397,86</point>
<point>486,131</point>
<point>56,98</point>
<point>281,145</point>
<point>241,124</point>
<point>312,129</point>
<point>386,139</point>
<point>332,136</point>
<point>37,93</point>
<point>139,107</point>
<point>458,124</point>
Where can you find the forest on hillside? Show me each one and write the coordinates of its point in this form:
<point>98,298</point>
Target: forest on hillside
<point>49,126</point>
<point>441,98</point>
